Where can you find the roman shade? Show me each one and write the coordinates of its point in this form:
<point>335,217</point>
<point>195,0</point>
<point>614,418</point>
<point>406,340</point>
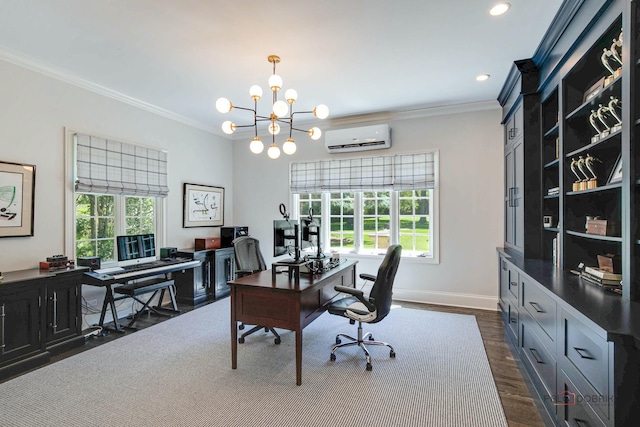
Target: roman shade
<point>399,172</point>
<point>107,166</point>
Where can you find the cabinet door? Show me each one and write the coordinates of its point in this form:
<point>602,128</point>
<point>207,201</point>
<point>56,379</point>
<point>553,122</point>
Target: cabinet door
<point>19,323</point>
<point>63,315</point>
<point>224,266</point>
<point>518,195</point>
<point>509,211</point>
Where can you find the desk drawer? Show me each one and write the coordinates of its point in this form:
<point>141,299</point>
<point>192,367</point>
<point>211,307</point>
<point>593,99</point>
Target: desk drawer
<point>540,306</point>
<point>536,353</point>
<point>588,353</point>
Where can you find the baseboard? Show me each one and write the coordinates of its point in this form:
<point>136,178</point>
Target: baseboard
<point>481,302</point>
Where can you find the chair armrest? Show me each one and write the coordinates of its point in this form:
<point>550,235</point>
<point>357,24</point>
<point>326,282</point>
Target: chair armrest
<point>369,277</point>
<point>358,294</point>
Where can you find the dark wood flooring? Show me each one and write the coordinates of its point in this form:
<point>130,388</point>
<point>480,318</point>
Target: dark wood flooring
<point>519,407</point>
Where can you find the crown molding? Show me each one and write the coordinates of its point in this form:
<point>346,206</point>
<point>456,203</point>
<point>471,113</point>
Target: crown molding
<point>388,116</point>
<point>32,64</point>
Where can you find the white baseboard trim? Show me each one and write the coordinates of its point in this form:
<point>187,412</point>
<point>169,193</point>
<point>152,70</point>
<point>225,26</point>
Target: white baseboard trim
<point>481,302</point>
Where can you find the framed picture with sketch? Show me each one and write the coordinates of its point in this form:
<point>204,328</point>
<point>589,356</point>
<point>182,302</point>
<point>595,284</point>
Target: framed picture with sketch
<point>17,195</point>
<point>203,206</point>
<point>616,172</point>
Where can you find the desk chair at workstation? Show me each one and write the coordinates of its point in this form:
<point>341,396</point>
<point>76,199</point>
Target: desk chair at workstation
<point>249,260</point>
<point>369,310</point>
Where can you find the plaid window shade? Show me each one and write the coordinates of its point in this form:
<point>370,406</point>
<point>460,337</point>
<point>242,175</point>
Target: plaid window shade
<point>112,167</point>
<point>400,172</point>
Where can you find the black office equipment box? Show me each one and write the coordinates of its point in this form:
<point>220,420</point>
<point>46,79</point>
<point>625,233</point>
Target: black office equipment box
<point>93,262</point>
<point>229,234</point>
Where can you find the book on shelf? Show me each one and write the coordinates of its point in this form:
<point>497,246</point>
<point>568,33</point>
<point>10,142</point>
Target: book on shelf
<point>552,191</point>
<point>598,281</point>
<point>603,274</point>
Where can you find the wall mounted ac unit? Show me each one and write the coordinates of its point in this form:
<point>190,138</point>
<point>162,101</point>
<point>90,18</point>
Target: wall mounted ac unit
<point>358,139</point>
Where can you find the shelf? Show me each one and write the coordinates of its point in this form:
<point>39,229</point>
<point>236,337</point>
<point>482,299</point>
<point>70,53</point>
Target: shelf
<point>584,108</point>
<point>553,229</point>
<point>595,144</point>
<point>552,163</point>
<point>551,196</point>
<point>552,131</point>
<point>595,236</point>
<point>597,189</point>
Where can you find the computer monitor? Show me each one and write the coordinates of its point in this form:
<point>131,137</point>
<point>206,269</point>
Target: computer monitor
<point>285,238</point>
<point>311,235</point>
<point>136,249</point>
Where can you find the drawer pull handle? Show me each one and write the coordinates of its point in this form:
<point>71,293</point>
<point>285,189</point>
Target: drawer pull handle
<point>536,307</point>
<point>536,356</point>
<point>514,320</point>
<point>514,284</point>
<point>584,353</point>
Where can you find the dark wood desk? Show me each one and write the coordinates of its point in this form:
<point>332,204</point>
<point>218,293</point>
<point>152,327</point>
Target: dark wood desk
<point>283,303</point>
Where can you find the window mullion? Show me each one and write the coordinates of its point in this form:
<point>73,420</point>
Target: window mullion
<point>358,222</point>
<point>394,218</point>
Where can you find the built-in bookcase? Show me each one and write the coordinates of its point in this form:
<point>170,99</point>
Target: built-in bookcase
<point>591,146</point>
<point>551,177</point>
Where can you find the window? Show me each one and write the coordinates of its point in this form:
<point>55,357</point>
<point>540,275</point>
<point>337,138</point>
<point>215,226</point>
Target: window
<point>372,203</point>
<point>342,221</point>
<point>118,191</point>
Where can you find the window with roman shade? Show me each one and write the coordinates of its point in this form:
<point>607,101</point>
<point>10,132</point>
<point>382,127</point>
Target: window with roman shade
<point>108,166</point>
<point>398,172</point>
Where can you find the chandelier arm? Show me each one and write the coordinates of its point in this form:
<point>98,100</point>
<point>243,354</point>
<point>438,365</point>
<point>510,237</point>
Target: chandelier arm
<point>244,108</point>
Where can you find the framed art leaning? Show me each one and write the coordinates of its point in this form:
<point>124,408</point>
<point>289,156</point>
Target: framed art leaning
<point>17,195</point>
<point>203,206</point>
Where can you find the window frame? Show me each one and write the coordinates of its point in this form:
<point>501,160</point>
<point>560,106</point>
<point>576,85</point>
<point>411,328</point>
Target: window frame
<point>394,225</point>
<point>119,208</point>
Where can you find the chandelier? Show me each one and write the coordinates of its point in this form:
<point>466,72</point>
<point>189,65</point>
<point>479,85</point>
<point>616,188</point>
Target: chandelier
<point>281,113</point>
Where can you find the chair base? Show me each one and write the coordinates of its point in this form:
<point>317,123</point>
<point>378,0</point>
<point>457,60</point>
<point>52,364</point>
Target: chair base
<point>360,341</point>
<point>256,329</point>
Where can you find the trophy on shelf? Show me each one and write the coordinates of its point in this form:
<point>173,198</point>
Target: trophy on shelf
<point>582,167</point>
<point>593,120</point>
<point>603,115</point>
<point>613,104</point>
<point>589,165</point>
<point>613,54</point>
<point>576,168</point>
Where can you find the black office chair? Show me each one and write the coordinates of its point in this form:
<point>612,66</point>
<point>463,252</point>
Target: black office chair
<point>249,260</point>
<point>369,310</point>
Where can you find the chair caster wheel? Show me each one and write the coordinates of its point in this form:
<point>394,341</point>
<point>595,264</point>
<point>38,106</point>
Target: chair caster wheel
<point>338,340</point>
<point>241,327</point>
<point>392,354</point>
<point>371,338</point>
<point>277,341</point>
<point>332,357</point>
<point>369,367</point>
<point>241,340</point>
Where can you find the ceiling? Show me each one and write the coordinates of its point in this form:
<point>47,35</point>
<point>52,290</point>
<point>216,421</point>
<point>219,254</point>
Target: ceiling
<point>358,57</point>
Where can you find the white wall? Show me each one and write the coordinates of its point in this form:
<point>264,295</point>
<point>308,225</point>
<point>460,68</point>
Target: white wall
<point>471,215</point>
<point>34,111</point>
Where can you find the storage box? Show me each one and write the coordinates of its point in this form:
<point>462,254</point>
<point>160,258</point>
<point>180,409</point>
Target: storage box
<point>601,227</point>
<point>609,262</point>
<point>208,243</point>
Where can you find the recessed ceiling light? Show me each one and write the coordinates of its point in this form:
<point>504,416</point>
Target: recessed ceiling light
<point>499,8</point>
<point>482,77</point>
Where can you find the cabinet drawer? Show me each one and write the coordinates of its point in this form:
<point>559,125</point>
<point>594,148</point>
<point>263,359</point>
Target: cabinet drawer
<point>572,406</point>
<point>589,354</point>
<point>536,353</point>
<point>513,284</point>
<point>540,306</point>
<point>512,320</point>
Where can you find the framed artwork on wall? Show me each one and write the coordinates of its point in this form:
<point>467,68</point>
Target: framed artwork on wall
<point>203,206</point>
<point>17,195</point>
